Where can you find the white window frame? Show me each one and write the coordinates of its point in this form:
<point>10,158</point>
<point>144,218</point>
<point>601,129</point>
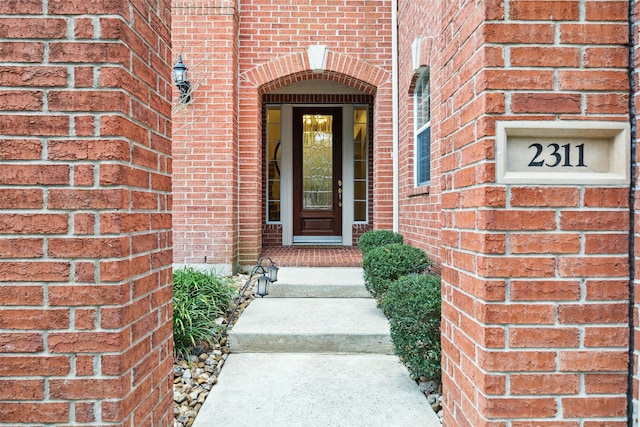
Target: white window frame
<point>420,128</point>
<point>366,160</point>
<point>267,160</point>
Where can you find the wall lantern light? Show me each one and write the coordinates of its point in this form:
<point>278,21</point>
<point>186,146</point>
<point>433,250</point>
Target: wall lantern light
<point>181,78</point>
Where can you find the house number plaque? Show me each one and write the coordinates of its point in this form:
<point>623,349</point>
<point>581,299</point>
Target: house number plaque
<point>562,152</point>
<point>557,155</point>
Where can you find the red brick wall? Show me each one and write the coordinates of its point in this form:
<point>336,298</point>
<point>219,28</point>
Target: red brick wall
<point>218,196</point>
<point>205,168</point>
<point>535,277</point>
<point>419,216</point>
<point>85,239</point>
<point>636,240</point>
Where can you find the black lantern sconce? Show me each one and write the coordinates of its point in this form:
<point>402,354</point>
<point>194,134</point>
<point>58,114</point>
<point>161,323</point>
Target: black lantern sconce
<point>181,78</point>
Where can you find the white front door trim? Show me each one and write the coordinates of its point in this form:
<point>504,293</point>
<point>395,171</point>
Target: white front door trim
<point>347,174</point>
<point>286,164</point>
<point>286,173</point>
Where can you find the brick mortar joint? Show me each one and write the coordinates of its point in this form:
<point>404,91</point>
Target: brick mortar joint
<point>205,10</point>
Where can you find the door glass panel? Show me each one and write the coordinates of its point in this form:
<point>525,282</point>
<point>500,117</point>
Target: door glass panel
<point>317,161</point>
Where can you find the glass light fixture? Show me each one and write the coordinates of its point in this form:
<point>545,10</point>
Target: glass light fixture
<point>272,271</point>
<point>181,78</point>
<point>262,285</point>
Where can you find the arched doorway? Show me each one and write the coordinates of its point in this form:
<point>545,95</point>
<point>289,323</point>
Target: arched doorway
<point>317,142</point>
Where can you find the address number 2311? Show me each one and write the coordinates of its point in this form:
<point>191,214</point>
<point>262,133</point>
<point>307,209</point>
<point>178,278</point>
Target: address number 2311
<point>554,155</point>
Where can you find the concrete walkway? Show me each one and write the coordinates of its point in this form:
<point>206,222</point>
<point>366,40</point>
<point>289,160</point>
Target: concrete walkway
<point>315,352</point>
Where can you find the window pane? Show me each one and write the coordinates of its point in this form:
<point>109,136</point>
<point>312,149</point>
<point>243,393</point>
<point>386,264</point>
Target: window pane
<point>360,151</point>
<point>274,115</point>
<point>274,191</point>
<point>424,156</point>
<point>360,132</point>
<point>360,190</point>
<point>360,211</point>
<point>273,164</point>
<point>360,170</point>
<point>274,211</point>
<point>360,156</point>
<point>423,98</point>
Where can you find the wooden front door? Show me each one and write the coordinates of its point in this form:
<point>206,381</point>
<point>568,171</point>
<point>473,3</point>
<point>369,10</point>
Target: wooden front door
<point>317,172</point>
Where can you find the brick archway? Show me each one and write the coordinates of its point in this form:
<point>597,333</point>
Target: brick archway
<point>340,68</point>
<point>279,72</point>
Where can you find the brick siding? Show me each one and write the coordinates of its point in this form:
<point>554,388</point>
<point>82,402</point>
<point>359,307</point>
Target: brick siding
<point>535,296</point>
<point>635,380</point>
<point>218,155</point>
<point>535,277</point>
<point>85,213</point>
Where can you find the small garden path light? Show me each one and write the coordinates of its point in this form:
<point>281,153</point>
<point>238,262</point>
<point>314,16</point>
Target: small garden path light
<point>268,275</point>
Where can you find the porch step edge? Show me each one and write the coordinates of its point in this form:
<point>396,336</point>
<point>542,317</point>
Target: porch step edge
<point>316,343</point>
<point>340,325</point>
<point>283,290</point>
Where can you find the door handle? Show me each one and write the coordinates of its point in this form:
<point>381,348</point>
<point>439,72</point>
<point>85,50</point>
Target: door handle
<point>339,193</point>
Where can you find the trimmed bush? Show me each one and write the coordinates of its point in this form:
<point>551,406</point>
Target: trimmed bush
<point>199,297</point>
<point>385,264</point>
<point>375,238</point>
<point>413,304</point>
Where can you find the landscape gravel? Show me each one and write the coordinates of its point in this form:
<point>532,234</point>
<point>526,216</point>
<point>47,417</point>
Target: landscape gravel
<point>193,378</point>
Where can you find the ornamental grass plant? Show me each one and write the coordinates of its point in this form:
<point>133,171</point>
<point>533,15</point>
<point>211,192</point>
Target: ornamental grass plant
<point>199,298</point>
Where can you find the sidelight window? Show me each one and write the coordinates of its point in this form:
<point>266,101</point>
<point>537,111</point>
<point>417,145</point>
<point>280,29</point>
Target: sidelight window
<point>422,110</point>
<point>360,172</point>
<point>273,164</point>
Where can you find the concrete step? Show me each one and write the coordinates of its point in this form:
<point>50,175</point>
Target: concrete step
<point>317,290</point>
<point>310,325</point>
<point>315,390</point>
<point>319,282</point>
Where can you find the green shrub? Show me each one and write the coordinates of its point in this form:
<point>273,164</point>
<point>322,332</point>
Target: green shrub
<point>375,238</point>
<point>199,297</point>
<point>385,264</point>
<point>413,305</point>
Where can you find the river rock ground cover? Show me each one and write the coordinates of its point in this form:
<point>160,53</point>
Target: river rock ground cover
<point>194,376</point>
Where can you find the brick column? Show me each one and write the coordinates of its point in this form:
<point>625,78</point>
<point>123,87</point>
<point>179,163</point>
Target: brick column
<point>636,238</point>
<point>85,222</point>
<point>205,140</point>
<point>535,276</point>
